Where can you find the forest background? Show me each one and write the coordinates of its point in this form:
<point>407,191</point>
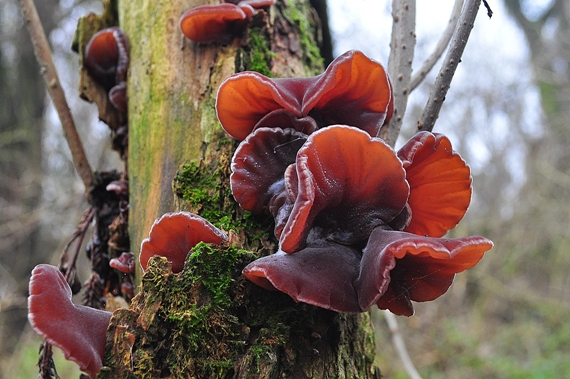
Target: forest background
<point>506,113</point>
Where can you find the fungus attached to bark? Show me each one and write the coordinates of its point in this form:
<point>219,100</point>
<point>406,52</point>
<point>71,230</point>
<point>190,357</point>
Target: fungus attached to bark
<point>125,263</point>
<point>219,23</point>
<point>107,61</point>
<point>79,331</point>
<point>173,236</point>
<point>346,184</point>
<point>354,90</point>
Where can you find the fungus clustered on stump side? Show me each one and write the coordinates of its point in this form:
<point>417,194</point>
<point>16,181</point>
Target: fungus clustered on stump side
<point>357,223</point>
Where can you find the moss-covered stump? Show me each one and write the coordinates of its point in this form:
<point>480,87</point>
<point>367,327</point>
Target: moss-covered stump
<point>209,322</point>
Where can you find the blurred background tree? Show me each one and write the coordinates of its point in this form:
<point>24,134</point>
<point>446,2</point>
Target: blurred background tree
<point>506,113</point>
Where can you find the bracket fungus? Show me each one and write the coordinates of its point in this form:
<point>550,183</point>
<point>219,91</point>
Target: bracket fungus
<point>79,331</point>
<point>354,229</point>
<point>107,61</point>
<point>174,234</point>
<point>221,22</point>
<point>354,90</point>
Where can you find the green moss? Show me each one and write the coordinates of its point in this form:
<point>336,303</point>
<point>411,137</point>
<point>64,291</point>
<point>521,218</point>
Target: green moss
<point>312,58</point>
<point>256,55</point>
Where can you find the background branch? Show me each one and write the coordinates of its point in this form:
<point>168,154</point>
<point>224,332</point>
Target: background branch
<point>400,64</point>
<point>400,345</point>
<point>428,64</point>
<point>452,59</point>
<point>47,69</point>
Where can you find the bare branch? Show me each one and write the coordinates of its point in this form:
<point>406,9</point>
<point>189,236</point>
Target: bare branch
<point>428,64</point>
<point>452,59</point>
<point>400,64</point>
<point>47,68</point>
<point>400,345</point>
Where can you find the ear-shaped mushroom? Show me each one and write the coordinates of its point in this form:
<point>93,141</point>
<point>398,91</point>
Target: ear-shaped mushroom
<point>354,90</point>
<point>79,331</point>
<point>346,184</point>
<point>398,267</point>
<point>213,23</point>
<point>259,163</point>
<point>107,60</point>
<point>173,236</point>
<point>320,276</point>
<point>221,22</point>
<point>125,263</point>
<point>440,184</point>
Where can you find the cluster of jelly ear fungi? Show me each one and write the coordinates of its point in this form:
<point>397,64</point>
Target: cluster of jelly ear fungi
<point>358,224</point>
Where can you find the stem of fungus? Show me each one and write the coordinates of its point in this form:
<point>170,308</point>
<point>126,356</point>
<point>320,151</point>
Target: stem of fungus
<point>442,44</point>
<point>450,63</point>
<point>47,68</point>
<point>400,64</point>
<point>400,345</point>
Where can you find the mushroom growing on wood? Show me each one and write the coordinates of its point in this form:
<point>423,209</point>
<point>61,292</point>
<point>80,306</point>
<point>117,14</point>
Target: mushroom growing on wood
<point>107,61</point>
<point>79,331</point>
<point>173,236</point>
<point>221,22</point>
<point>347,190</point>
<point>354,90</point>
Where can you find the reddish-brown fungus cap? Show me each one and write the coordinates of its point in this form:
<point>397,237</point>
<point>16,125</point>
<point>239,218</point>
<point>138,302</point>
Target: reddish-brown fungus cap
<point>107,56</point>
<point>398,267</point>
<point>440,184</point>
<point>347,184</point>
<point>320,276</point>
<point>125,263</point>
<point>173,236</point>
<point>214,23</point>
<point>79,331</point>
<point>354,90</point>
<point>259,163</point>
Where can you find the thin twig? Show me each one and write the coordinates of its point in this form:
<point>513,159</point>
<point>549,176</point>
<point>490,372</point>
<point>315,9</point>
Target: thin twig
<point>47,68</point>
<point>440,47</point>
<point>400,345</point>
<point>400,64</point>
<point>450,63</point>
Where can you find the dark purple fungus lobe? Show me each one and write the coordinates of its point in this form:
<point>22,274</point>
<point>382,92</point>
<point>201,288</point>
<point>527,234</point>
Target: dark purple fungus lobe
<point>259,163</point>
<point>400,267</point>
<point>320,276</point>
<point>107,61</point>
<point>125,263</point>
<point>440,184</point>
<point>79,331</point>
<point>344,184</point>
<point>173,236</point>
<point>354,90</point>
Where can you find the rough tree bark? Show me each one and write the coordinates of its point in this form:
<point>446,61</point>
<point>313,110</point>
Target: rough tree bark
<point>207,321</point>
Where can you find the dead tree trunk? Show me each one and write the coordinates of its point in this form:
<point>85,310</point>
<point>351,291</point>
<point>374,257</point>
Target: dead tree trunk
<point>207,321</point>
